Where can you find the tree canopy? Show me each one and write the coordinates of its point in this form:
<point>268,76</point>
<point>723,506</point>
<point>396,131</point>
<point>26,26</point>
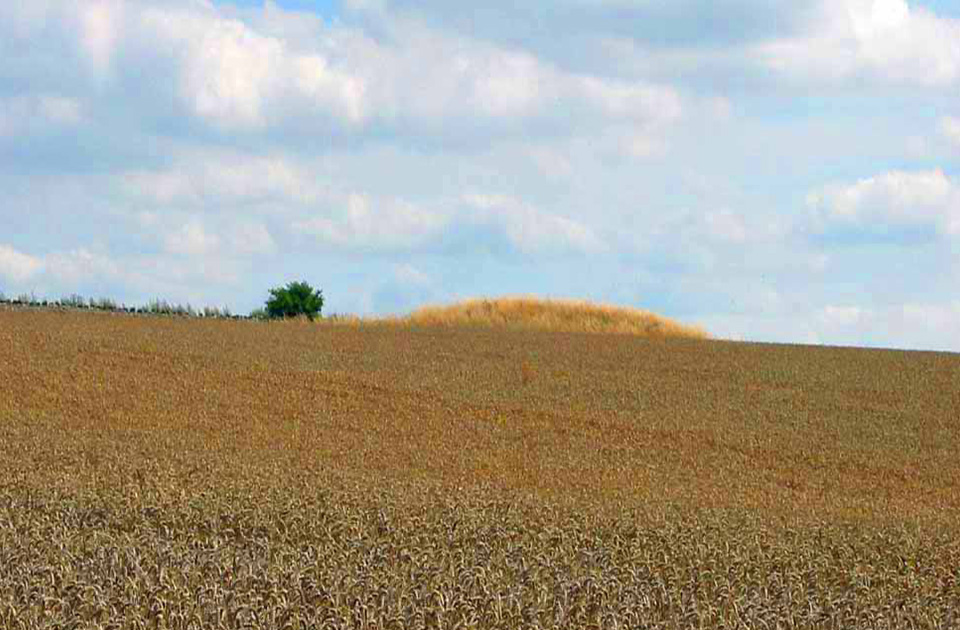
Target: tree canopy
<point>293,300</point>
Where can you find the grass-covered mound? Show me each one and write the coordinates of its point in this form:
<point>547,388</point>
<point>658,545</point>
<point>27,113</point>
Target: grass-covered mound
<point>554,315</point>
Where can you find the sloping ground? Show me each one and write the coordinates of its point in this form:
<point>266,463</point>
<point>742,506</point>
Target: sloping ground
<point>443,476</point>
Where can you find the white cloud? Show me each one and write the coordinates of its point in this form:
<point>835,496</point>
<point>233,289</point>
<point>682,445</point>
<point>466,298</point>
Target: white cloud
<point>160,187</point>
<point>624,100</point>
<point>423,75</point>
<point>920,325</point>
<point>251,238</point>
<point>530,229</point>
<point>191,240</point>
<point>897,198</point>
<point>66,268</point>
<point>251,71</point>
<point>399,225</point>
<point>227,70</point>
<point>38,113</point>
<point>720,108</point>
<point>950,128</point>
<point>735,240</point>
<point>923,325</point>
<point>58,109</point>
<point>235,236</point>
<point>24,19</point>
<point>833,316</point>
<point>275,21</point>
<point>239,78</point>
<point>75,40</point>
<point>943,319</point>
<point>17,266</point>
<point>550,161</point>
<point>79,265</point>
<point>886,40</point>
<point>254,178</point>
<point>728,226</point>
<point>231,73</point>
<point>227,177</point>
<point>245,75</point>
<point>504,84</point>
<point>393,224</point>
<point>101,22</point>
<point>408,275</point>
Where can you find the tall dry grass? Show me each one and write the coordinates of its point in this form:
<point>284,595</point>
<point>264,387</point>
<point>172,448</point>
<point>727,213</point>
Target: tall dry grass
<point>527,313</point>
<point>532,313</point>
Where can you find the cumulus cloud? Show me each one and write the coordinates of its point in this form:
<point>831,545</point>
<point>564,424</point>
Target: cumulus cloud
<point>407,274</point>
<point>928,325</point>
<point>226,177</point>
<point>932,325</point>
<point>192,239</point>
<point>887,41</point>
<point>726,225</point>
<point>473,220</point>
<point>193,271</point>
<point>66,43</point>
<point>950,128</point>
<point>23,19</point>
<point>239,78</point>
<point>80,265</point>
<point>843,316</point>
<point>404,288</point>
<point>935,319</point>
<point>251,238</point>
<point>250,71</point>
<point>529,229</point>
<point>17,266</point>
<point>922,199</point>
<point>100,22</point>
<point>431,80</point>
<point>365,223</point>
<point>38,113</point>
<point>185,235</point>
<point>720,240</point>
<point>67,268</point>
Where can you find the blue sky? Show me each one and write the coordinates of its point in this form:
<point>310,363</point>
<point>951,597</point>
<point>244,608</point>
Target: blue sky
<point>783,170</point>
<point>326,8</point>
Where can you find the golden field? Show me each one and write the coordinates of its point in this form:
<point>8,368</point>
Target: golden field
<point>180,473</point>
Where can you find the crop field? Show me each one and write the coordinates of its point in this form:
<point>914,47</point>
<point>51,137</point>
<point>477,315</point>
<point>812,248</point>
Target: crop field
<point>176,473</point>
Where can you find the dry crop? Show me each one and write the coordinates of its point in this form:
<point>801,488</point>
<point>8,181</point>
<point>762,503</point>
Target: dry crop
<point>161,473</point>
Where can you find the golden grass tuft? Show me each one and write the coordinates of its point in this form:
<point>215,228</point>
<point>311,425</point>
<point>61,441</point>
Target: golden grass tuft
<point>531,313</point>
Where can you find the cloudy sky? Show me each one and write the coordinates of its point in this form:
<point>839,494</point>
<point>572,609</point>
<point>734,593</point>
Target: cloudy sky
<point>774,170</point>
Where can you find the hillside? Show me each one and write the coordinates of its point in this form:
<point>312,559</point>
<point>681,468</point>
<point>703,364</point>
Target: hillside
<point>571,479</point>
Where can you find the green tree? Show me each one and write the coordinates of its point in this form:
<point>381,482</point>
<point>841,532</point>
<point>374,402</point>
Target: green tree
<point>297,298</point>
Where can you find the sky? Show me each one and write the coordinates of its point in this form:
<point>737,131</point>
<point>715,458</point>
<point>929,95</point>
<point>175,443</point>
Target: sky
<point>772,170</point>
